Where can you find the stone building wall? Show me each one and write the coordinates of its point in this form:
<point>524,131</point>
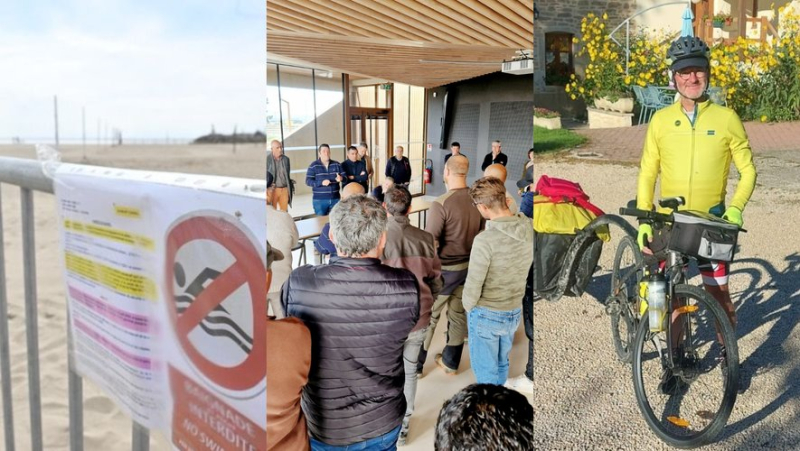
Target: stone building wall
<point>565,16</point>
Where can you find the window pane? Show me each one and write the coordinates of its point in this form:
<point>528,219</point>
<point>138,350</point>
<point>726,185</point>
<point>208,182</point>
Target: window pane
<point>558,58</point>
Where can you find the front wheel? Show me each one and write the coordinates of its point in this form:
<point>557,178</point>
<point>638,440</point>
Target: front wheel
<point>687,400</point>
<point>623,302</point>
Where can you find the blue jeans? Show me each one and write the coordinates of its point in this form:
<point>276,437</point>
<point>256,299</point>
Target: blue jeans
<point>323,207</point>
<point>491,334</point>
<point>386,442</point>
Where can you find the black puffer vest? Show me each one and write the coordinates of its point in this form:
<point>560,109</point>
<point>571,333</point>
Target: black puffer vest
<point>359,313</point>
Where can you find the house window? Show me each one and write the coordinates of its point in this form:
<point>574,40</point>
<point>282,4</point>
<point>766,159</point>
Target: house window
<point>559,58</point>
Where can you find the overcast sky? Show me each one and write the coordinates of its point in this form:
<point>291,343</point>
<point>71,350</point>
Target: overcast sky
<point>149,68</point>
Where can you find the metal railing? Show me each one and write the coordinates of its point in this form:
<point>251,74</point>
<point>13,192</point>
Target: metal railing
<point>28,176</point>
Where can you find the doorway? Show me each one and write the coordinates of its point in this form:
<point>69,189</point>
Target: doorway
<point>374,127</point>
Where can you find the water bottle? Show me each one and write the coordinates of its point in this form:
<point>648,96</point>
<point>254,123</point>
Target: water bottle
<point>643,296</point>
<point>656,301</point>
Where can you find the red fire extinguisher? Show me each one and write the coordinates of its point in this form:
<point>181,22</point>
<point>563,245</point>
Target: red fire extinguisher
<point>427,177</point>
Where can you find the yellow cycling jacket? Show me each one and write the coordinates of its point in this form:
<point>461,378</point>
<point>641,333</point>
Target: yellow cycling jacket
<point>694,161</point>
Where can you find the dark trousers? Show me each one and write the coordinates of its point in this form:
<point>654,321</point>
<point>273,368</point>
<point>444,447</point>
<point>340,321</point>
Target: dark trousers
<point>527,317</point>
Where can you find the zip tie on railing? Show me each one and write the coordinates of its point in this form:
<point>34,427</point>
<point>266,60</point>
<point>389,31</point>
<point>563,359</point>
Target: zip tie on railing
<point>50,159</point>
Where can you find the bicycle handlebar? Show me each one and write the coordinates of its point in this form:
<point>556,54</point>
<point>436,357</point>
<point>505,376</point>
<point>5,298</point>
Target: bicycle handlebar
<point>645,215</point>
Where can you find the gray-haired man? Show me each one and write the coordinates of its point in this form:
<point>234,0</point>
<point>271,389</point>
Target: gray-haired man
<point>360,313</point>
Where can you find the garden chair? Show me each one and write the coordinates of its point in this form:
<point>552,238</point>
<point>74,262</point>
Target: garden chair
<point>644,105</point>
<point>662,95</point>
<point>717,95</point>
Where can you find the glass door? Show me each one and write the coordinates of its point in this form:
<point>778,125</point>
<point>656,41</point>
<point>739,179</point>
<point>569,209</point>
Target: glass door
<point>373,127</point>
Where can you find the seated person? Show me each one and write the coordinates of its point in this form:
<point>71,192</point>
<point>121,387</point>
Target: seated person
<point>465,422</point>
<point>379,191</point>
<point>323,245</point>
<point>288,363</point>
<point>525,185</point>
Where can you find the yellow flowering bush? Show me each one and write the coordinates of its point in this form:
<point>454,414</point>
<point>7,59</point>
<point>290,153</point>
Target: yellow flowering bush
<point>605,75</point>
<point>762,80</point>
<point>648,62</point>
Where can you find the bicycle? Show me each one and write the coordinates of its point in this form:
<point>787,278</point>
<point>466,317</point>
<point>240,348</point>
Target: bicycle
<point>685,362</point>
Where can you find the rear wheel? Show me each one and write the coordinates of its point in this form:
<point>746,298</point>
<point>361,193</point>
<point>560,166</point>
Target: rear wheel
<point>687,403</point>
<point>623,302</point>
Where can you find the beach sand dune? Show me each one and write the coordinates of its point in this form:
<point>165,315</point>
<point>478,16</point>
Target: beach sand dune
<point>105,426</point>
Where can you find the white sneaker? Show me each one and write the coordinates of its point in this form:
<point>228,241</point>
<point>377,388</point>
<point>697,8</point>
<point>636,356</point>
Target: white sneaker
<point>521,384</point>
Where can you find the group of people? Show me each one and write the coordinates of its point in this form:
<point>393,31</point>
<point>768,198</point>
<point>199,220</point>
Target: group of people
<point>368,316</point>
<point>328,177</point>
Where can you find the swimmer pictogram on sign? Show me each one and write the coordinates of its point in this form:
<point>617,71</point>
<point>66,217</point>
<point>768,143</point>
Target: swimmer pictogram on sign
<point>216,296</point>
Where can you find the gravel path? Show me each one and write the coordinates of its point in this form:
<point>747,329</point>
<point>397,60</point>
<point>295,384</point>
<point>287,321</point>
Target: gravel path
<point>584,396</point>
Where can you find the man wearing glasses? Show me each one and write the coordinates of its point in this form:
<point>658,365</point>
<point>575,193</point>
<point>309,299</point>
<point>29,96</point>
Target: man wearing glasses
<point>691,144</point>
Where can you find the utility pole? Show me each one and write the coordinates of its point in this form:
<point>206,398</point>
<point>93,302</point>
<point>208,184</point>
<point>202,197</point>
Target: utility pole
<point>234,139</point>
<point>98,133</point>
<point>55,114</point>
<point>83,120</point>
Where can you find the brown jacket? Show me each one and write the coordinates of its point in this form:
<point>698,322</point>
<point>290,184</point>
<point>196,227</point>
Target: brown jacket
<point>413,249</point>
<point>288,363</point>
<point>454,222</point>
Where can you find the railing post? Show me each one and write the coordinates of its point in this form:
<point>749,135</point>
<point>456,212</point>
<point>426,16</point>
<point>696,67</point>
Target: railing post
<point>75,387</point>
<point>31,316</point>
<point>5,353</point>
<point>141,437</point>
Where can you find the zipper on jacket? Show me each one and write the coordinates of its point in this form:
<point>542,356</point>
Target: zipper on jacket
<point>691,166</point>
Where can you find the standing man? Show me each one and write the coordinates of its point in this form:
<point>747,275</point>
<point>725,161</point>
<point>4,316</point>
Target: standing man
<point>279,166</point>
<point>691,145</point>
<point>454,222</point>
<point>363,155</point>
<point>399,168</point>
<point>359,312</point>
<point>499,172</point>
<point>413,249</point>
<point>324,176</point>
<point>524,382</point>
<point>283,235</point>
<point>455,149</point>
<point>495,286</point>
<point>355,169</point>
<point>496,156</point>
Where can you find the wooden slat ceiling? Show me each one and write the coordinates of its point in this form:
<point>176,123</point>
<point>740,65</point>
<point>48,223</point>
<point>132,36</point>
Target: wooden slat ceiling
<point>418,42</point>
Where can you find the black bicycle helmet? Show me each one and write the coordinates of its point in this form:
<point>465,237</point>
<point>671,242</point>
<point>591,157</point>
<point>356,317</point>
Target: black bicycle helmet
<point>688,51</point>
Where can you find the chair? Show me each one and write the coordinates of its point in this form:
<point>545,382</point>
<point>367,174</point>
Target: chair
<point>717,95</point>
<point>650,100</point>
<point>301,245</point>
<point>644,105</point>
<point>659,98</point>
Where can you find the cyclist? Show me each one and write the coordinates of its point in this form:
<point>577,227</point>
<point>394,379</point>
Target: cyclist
<point>691,145</point>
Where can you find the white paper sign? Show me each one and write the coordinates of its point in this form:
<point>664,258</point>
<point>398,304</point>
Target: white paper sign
<point>165,282</point>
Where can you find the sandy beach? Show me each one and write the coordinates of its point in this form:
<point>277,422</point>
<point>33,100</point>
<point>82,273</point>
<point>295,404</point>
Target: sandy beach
<point>106,427</point>
<point>584,396</point>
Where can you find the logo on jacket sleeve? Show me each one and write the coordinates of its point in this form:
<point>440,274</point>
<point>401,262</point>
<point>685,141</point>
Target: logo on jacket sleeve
<point>711,132</point>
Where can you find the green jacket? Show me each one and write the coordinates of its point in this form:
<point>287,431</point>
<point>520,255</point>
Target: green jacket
<point>498,264</point>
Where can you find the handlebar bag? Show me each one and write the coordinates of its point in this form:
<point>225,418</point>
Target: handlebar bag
<point>702,235</point>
